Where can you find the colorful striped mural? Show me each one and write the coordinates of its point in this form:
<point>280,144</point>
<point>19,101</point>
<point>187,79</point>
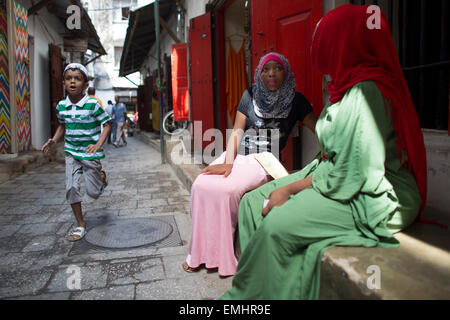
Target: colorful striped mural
<point>22,78</point>
<point>5,120</point>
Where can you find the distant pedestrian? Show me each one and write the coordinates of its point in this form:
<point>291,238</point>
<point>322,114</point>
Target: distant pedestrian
<point>120,113</point>
<point>91,94</point>
<point>110,110</point>
<point>80,118</point>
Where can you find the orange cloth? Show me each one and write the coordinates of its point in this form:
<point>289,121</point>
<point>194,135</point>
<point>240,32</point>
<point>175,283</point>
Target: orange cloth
<point>236,79</point>
<point>101,104</point>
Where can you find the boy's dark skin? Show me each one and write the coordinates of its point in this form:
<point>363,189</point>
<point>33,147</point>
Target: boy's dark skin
<point>75,84</point>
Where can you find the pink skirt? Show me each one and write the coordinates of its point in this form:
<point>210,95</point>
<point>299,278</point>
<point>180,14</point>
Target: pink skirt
<point>214,213</point>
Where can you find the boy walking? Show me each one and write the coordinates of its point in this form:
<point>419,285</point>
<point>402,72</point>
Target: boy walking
<point>80,118</point>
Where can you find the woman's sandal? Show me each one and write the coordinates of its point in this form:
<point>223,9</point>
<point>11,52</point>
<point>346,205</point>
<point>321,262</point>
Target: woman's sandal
<point>189,269</point>
<point>78,232</point>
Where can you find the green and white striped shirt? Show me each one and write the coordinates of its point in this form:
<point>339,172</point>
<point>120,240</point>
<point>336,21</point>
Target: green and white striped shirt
<point>83,122</point>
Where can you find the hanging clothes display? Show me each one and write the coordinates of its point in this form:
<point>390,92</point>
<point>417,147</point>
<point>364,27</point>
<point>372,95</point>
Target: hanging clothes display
<point>236,78</point>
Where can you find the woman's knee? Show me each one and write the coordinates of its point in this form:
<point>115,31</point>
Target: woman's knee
<point>273,226</point>
<point>215,187</point>
<point>246,198</point>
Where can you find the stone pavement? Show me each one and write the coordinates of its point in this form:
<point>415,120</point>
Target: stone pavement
<point>37,262</point>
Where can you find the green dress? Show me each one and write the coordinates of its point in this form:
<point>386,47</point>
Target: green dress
<point>360,196</point>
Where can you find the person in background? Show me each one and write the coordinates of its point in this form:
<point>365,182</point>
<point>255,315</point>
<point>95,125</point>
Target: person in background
<point>120,114</point>
<point>110,110</point>
<point>91,94</point>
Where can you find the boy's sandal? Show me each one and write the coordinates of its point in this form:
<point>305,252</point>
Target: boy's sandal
<point>189,269</point>
<point>78,233</point>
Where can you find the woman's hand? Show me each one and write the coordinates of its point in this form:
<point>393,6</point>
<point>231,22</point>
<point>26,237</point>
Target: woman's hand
<point>224,169</point>
<point>48,146</point>
<point>279,196</point>
<point>276,199</point>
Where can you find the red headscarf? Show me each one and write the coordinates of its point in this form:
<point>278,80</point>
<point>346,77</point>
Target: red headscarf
<point>345,48</point>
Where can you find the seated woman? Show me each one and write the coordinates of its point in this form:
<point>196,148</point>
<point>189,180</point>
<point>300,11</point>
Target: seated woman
<point>369,183</point>
<point>272,104</point>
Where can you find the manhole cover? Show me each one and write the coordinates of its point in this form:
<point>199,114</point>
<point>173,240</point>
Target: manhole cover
<point>129,233</point>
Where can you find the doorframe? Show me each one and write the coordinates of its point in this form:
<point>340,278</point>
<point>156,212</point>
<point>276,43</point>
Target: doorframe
<point>219,63</point>
<point>218,9</point>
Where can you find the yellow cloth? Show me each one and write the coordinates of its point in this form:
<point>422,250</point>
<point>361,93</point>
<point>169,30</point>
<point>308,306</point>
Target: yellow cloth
<point>236,79</point>
<point>155,114</point>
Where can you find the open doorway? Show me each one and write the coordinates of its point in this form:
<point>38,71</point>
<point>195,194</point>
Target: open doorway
<point>232,21</point>
<point>237,55</point>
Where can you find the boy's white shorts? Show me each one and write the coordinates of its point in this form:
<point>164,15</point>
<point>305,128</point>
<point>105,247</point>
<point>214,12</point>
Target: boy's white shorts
<point>91,170</point>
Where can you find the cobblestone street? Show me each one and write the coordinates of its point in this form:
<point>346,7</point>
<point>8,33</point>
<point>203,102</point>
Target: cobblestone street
<point>37,262</point>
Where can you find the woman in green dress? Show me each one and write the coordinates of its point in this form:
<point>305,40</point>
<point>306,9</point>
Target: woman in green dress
<point>368,183</point>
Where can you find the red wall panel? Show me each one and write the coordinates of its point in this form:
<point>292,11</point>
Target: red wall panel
<point>201,72</point>
<point>180,95</point>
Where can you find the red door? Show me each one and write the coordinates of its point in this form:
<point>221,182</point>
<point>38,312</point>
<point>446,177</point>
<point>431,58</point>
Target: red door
<point>287,27</point>
<point>201,74</point>
<point>180,94</point>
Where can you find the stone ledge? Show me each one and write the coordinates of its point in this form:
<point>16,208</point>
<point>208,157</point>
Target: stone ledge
<point>10,168</point>
<point>418,269</point>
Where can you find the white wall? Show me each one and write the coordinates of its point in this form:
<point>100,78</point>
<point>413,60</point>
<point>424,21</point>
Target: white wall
<point>193,8</point>
<point>437,144</point>
<point>166,42</point>
<point>40,103</point>
<point>105,95</point>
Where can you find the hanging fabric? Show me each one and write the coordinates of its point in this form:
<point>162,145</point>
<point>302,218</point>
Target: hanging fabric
<point>236,79</point>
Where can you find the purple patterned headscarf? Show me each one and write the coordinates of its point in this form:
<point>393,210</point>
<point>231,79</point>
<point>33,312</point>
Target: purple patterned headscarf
<point>273,104</point>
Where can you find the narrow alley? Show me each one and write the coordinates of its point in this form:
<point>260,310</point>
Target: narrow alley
<point>302,147</point>
<point>39,263</point>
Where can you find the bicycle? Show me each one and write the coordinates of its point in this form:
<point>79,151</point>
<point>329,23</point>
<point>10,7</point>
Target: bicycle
<point>172,127</point>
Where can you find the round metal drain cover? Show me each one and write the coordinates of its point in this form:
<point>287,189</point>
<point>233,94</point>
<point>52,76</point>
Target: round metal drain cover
<point>129,233</point>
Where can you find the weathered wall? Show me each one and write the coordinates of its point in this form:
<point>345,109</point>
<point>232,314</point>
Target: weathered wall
<point>437,144</point>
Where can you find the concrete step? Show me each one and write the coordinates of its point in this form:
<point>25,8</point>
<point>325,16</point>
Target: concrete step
<point>418,269</point>
<point>10,168</point>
